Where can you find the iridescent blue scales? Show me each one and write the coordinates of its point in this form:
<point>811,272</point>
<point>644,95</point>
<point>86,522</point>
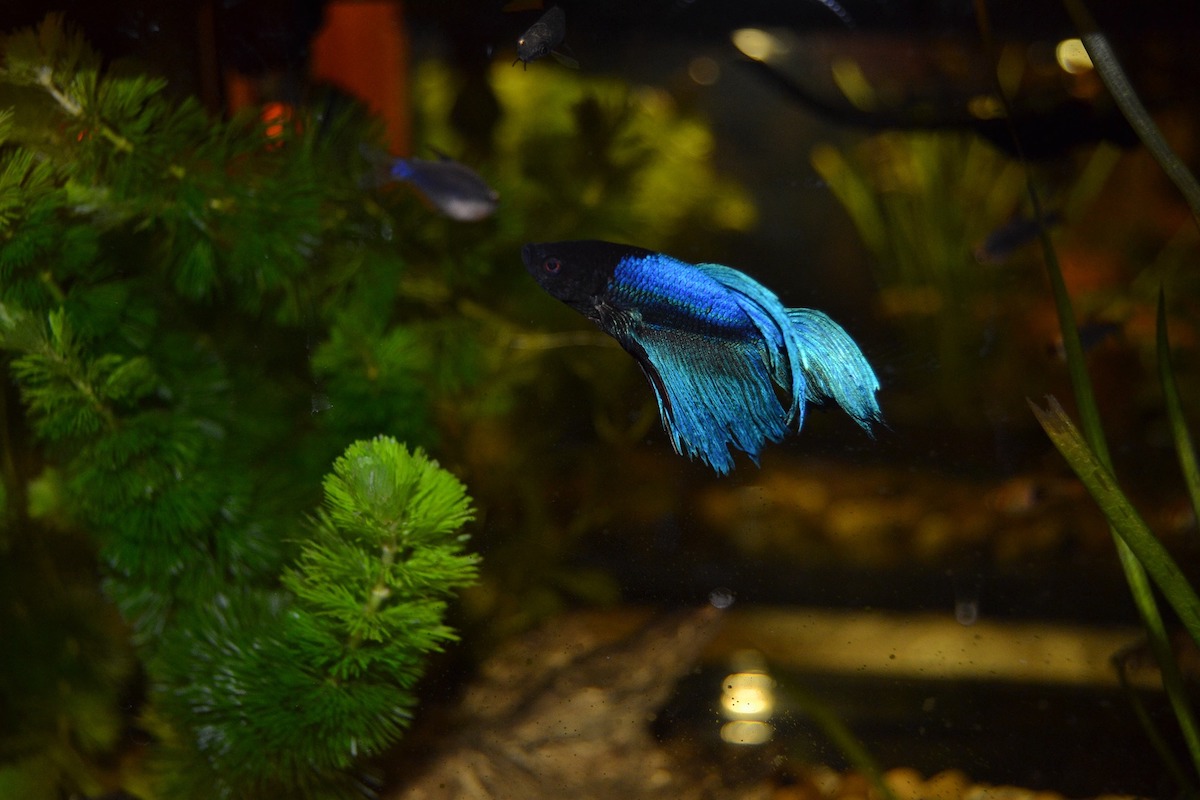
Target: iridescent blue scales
<point>714,343</point>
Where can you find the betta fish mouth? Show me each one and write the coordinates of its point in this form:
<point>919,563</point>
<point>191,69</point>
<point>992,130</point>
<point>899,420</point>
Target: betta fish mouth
<point>529,254</point>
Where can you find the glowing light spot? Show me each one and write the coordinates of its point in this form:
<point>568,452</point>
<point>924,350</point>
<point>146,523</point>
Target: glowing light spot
<point>1072,56</point>
<point>275,117</point>
<point>985,106</point>
<point>748,695</point>
<point>721,597</point>
<point>747,701</point>
<point>746,732</point>
<point>758,44</point>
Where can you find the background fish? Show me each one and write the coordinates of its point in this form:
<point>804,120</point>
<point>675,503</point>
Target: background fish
<point>713,342</point>
<point>543,37</point>
<point>452,188</point>
<point>1091,335</point>
<point>1019,231</point>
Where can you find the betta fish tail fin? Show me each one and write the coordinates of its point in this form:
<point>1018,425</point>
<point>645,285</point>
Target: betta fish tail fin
<point>834,367</point>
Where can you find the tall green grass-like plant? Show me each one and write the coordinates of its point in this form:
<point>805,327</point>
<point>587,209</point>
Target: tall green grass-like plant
<point>1142,558</point>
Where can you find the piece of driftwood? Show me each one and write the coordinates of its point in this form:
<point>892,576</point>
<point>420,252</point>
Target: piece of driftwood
<point>564,712</point>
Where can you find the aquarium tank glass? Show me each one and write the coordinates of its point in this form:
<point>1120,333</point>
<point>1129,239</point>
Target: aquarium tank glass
<point>424,399</point>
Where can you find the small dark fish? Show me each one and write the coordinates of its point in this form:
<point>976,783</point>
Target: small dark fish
<point>1091,336</point>
<point>1019,231</point>
<point>715,345</point>
<point>542,39</point>
<point>452,188</point>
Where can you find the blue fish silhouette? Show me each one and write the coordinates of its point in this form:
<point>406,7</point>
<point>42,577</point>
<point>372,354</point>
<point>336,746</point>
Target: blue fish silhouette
<point>452,188</point>
<point>714,344</point>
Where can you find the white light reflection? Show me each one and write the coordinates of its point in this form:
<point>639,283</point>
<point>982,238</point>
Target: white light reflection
<point>748,695</point>
<point>746,731</point>
<point>747,701</point>
<point>721,597</point>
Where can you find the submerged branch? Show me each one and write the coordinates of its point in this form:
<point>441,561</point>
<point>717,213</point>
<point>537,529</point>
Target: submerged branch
<point>45,79</point>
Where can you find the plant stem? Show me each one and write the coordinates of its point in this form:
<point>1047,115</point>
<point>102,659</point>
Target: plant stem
<point>379,592</point>
<point>1089,415</point>
<point>1122,91</point>
<point>72,107</point>
<point>1184,448</point>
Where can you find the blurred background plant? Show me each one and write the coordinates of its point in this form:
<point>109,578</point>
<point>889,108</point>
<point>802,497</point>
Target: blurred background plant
<point>950,234</point>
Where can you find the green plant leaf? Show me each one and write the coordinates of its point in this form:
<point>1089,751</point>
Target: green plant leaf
<point>1184,447</point>
<point>1121,514</point>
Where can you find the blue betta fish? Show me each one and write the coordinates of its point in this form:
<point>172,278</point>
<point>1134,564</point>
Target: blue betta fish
<point>718,347</point>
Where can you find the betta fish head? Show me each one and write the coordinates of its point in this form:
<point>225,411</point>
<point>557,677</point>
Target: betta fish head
<point>577,273</point>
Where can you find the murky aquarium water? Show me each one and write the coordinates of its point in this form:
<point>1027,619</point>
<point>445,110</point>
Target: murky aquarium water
<point>581,399</point>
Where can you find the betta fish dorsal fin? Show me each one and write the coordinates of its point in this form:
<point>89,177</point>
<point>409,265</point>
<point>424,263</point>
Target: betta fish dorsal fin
<point>770,318</point>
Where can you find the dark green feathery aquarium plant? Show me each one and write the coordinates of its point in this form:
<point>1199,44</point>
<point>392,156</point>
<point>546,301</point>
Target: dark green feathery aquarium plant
<point>198,317</point>
<point>160,277</point>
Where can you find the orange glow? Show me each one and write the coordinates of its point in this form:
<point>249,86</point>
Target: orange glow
<point>363,49</point>
<point>275,116</point>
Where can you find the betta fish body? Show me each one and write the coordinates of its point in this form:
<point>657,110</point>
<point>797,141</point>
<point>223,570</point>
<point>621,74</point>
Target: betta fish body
<point>714,343</point>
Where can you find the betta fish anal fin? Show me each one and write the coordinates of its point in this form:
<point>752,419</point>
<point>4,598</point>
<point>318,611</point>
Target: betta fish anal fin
<point>711,393</point>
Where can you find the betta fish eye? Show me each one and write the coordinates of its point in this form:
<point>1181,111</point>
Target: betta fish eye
<point>552,265</point>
